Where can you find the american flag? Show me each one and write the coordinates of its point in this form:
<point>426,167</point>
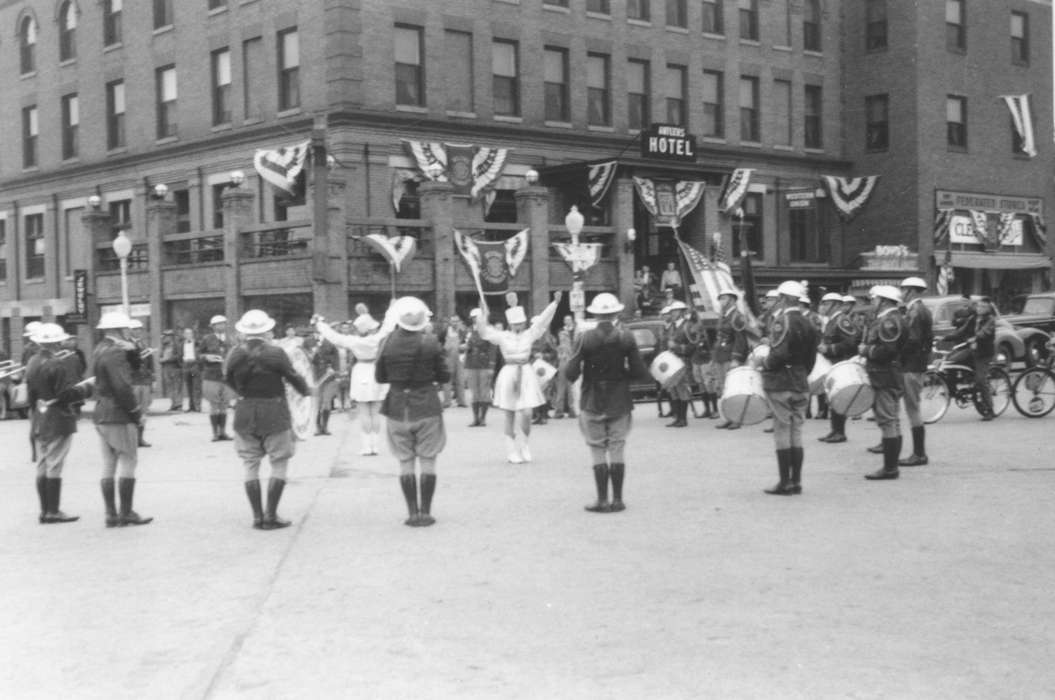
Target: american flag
<point>707,277</point>
<point>945,275</point>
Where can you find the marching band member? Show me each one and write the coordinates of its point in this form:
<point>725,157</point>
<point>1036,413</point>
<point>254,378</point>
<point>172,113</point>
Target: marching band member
<point>914,360</point>
<point>517,389</point>
<point>839,341</point>
<point>117,416</point>
<point>785,371</point>
<point>212,349</point>
<point>364,388</point>
<point>480,359</point>
<point>262,424</point>
<point>324,367</point>
<point>607,359</point>
<point>676,339</point>
<point>414,365</point>
<point>29,351</point>
<point>882,349</point>
<point>142,363</point>
<point>732,346</point>
<point>54,392</point>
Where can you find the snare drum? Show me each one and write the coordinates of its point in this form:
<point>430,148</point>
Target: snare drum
<point>743,401</point>
<point>849,391</point>
<point>819,373</point>
<point>667,369</point>
<point>544,371</point>
<point>758,354</point>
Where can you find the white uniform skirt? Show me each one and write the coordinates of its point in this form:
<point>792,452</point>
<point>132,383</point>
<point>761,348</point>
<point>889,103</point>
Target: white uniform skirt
<point>362,386</point>
<point>508,398</point>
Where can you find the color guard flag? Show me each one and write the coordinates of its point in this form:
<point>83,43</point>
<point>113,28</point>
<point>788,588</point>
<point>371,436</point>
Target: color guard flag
<point>492,263</point>
<point>707,277</point>
<point>1022,118</point>
<point>735,190</point>
<point>281,167</point>
<point>599,179</point>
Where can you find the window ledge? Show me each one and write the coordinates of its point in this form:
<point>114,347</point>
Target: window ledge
<point>782,47</point>
<point>555,8</point>
<point>957,149</point>
<point>30,74</point>
<point>714,139</point>
<point>461,115</point>
<point>509,118</point>
<point>598,15</point>
<point>218,10</point>
<point>163,30</point>
<point>417,109</point>
<point>601,128</point>
<point>292,111</point>
<point>1020,64</point>
<point>252,120</point>
<point>30,169</point>
<point>113,47</point>
<point>710,35</point>
<point>68,62</point>
<point>167,139</point>
<point>639,22</point>
<point>226,126</point>
<point>509,2</point>
<point>814,151</point>
<point>813,53</point>
<point>120,150</point>
<point>72,160</point>
<point>33,280</point>
<point>750,42</point>
<point>751,144</point>
<point>558,125</point>
<point>782,147</point>
<point>677,29</point>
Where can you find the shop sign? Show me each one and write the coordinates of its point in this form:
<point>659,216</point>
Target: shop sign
<point>80,298</point>
<point>134,310</point>
<point>948,199</point>
<point>668,142</point>
<point>801,199</point>
<point>962,231</point>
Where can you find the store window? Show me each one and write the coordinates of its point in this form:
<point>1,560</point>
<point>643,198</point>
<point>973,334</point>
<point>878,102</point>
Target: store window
<point>808,243</point>
<point>748,228</point>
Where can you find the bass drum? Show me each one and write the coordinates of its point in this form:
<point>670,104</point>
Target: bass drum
<point>849,391</point>
<point>743,401</point>
<point>667,369</point>
<point>819,373</point>
<point>301,408</point>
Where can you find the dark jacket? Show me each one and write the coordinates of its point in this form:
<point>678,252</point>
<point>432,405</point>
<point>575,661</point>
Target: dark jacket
<point>212,344</point>
<point>676,339</point>
<point>257,371</point>
<point>981,328</point>
<point>732,337</point>
<point>171,351</point>
<point>324,359</point>
<point>413,365</point>
<point>792,352</point>
<point>479,353</point>
<point>142,366</point>
<point>54,379</point>
<point>113,383</point>
<point>841,335</point>
<point>608,360</point>
<point>884,344</point>
<point>920,337</point>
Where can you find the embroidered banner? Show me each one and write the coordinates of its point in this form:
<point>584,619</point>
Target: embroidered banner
<point>579,256</point>
<point>735,190</point>
<point>669,202</point>
<point>850,194</point>
<point>471,169</point>
<point>1022,118</point>
<point>492,263</point>
<point>599,178</point>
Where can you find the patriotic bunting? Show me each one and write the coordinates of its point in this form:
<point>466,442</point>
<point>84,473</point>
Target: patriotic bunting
<point>850,193</point>
<point>941,226</point>
<point>980,226</point>
<point>599,178</point>
<point>945,275</point>
<point>646,191</point>
<point>400,178</point>
<point>395,249</point>
<point>281,167</point>
<point>579,256</point>
<point>472,170</point>
<point>735,190</point>
<point>669,203</point>
<point>1022,118</point>
<point>492,263</point>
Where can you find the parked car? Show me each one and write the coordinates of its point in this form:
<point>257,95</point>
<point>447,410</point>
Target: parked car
<point>1038,311</point>
<point>1015,344</point>
<point>647,332</point>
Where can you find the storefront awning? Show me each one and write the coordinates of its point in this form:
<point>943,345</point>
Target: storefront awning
<point>996,261</point>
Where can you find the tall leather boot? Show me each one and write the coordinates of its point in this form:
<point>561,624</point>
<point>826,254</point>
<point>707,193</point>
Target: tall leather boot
<point>679,409</point>
<point>617,471</point>
<point>215,428</point>
<point>476,414</point>
<point>324,422</point>
<point>409,484</point>
<point>600,478</point>
<point>139,433</point>
<point>112,518</point>
<point>795,481</point>
<point>274,495</point>
<point>221,427</point>
<point>784,469</point>
<point>126,488</point>
<point>428,487</point>
<point>252,491</point>
<point>919,452</point>
<point>483,412</point>
<point>42,494</point>
<point>891,450</point>
<point>53,493</point>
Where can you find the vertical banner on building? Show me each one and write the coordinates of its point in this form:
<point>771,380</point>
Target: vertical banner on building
<point>80,298</point>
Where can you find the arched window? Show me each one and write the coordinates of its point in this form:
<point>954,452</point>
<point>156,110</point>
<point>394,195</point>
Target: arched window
<point>27,44</point>
<point>68,31</point>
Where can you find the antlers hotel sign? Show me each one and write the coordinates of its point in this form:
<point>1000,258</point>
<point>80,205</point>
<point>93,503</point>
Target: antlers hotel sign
<point>667,142</point>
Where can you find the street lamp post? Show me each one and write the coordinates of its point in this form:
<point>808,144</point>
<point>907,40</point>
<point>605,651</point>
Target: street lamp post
<point>577,297</point>
<point>122,248</point>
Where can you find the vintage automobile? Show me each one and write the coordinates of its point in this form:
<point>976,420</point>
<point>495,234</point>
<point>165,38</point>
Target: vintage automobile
<point>1038,312</point>
<point>1016,344</point>
<point>647,333</point>
<point>10,405</point>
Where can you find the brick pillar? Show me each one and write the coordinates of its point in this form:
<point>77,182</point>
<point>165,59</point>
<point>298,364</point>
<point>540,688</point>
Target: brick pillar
<point>237,213</point>
<point>436,206</point>
<point>161,221</point>
<point>533,210</point>
<point>97,226</point>
<point>331,295</point>
<point>623,219</point>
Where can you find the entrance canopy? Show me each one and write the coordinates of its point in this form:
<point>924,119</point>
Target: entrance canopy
<point>996,261</point>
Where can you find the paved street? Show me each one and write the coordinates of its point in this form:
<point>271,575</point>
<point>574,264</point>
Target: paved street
<point>934,586</point>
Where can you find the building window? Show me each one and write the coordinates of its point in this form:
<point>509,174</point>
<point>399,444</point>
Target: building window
<point>713,22</point>
<point>638,95</point>
<point>1019,38</point>
<point>749,19</point>
<point>30,133</point>
<point>162,13</point>
<point>556,87</point>
<point>410,75</point>
<point>782,117</point>
<point>68,31</point>
<point>677,79</point>
<point>181,198</point>
<point>165,79</point>
<point>598,96</point>
<point>34,245</point>
<point>27,45</point>
<point>956,121</point>
<point>556,3</point>
<point>877,123</point>
<point>458,71</point>
<point>115,114</point>
<point>782,11</point>
<point>749,117</point>
<point>638,9</point>
<point>3,250</point>
<point>217,4</point>
<point>713,104</point>
<point>807,242</point>
<point>505,83</point>
<point>955,27</point>
<point>120,216</point>
<point>73,246</point>
<point>811,25</point>
<point>677,14</point>
<point>814,133</point>
<point>875,25</point>
<point>71,120</point>
<point>112,22</point>
<point>288,70</point>
<point>748,228</point>
<point>252,62</point>
<point>601,7</point>
<point>217,205</point>
<point>221,86</point>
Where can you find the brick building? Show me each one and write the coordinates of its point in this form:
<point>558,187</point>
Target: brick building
<point>106,100</point>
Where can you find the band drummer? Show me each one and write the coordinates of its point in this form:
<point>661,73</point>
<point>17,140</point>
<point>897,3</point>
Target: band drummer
<point>839,342</point>
<point>919,341</point>
<point>212,349</point>
<point>257,372</point>
<point>882,348</point>
<point>732,346</point>
<point>142,362</point>
<point>676,340</point>
<point>785,379</point>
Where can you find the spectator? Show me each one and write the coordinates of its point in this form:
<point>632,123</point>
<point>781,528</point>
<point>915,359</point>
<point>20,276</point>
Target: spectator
<point>190,371</point>
<point>671,280</point>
